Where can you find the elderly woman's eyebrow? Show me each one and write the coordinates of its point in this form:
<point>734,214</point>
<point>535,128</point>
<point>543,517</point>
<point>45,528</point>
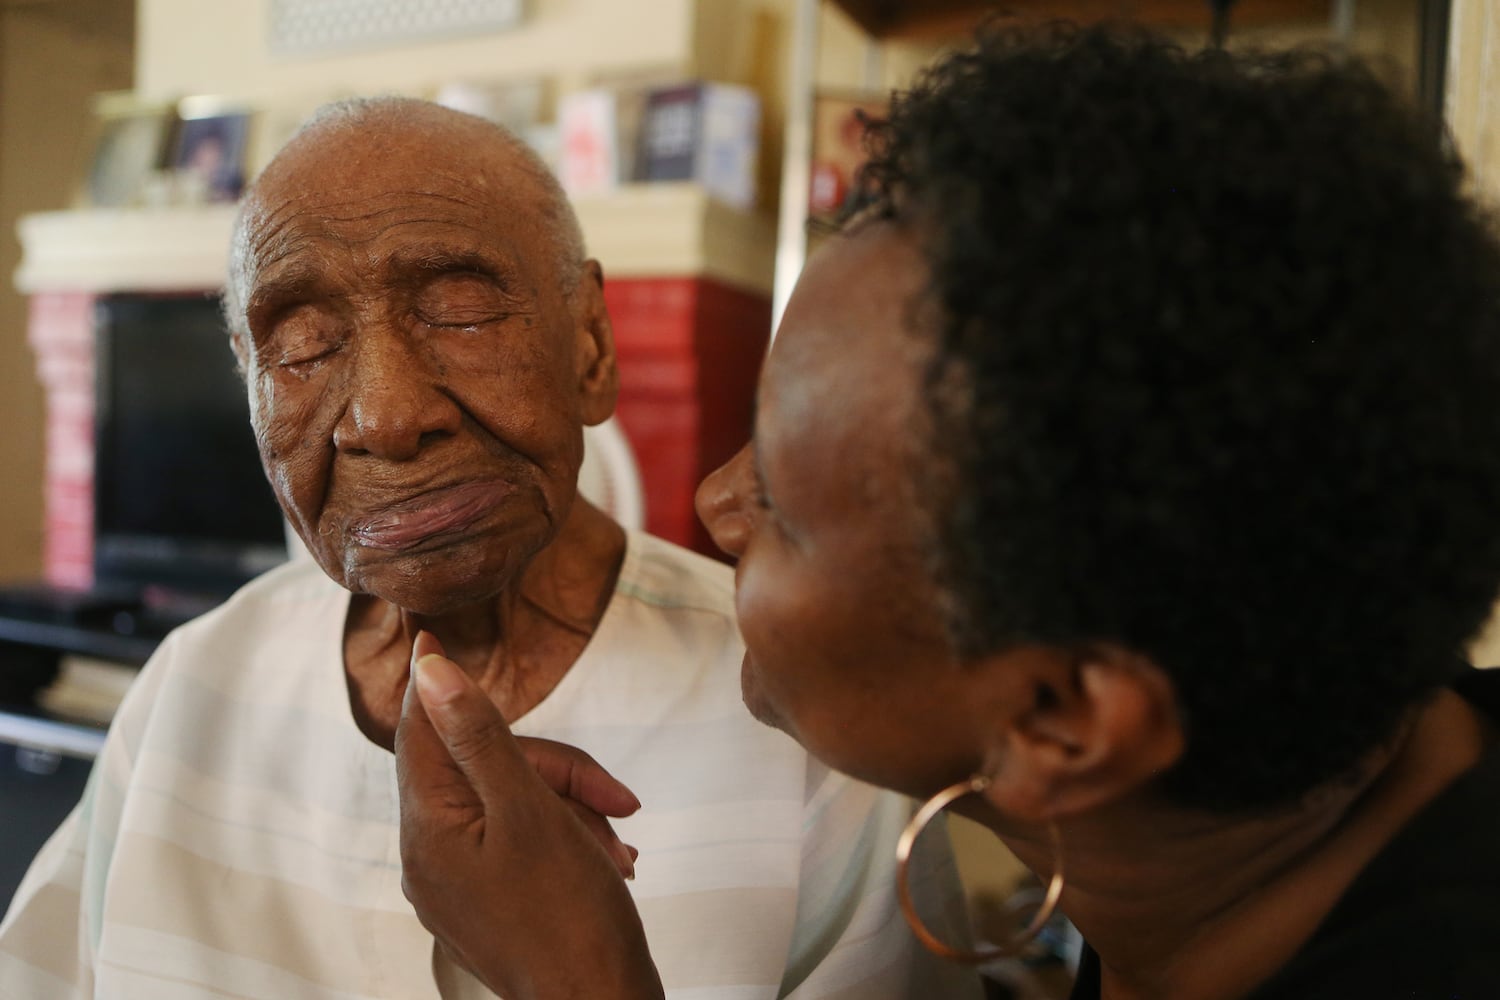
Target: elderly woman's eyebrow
<point>436,261</point>
<point>283,281</point>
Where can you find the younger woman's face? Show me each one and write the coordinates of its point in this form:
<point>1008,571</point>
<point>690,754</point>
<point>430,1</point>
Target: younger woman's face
<point>845,645</point>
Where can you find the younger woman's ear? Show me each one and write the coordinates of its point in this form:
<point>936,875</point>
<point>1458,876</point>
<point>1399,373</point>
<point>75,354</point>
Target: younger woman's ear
<point>1078,729</point>
<point>594,358</point>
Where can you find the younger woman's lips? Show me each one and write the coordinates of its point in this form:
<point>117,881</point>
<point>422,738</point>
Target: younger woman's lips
<point>411,522</point>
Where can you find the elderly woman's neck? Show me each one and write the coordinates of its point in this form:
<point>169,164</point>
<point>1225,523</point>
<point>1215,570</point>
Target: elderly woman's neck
<point>1186,906</point>
<point>565,589</point>
<point>518,644</point>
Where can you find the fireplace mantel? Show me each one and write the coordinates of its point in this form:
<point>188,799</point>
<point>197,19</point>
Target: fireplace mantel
<point>179,249</point>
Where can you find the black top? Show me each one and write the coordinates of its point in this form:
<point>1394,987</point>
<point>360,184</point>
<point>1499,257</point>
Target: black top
<point>1422,921</point>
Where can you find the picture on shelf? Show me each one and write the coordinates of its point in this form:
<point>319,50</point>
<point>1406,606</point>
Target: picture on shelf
<point>597,131</point>
<point>130,145</point>
<point>708,133</point>
<point>208,155</point>
<point>838,147</point>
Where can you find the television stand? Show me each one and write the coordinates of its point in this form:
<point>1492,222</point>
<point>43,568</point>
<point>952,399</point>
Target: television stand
<point>100,641</point>
<point>40,624</point>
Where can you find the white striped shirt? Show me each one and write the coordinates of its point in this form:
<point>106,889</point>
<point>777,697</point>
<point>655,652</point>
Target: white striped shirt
<point>239,835</point>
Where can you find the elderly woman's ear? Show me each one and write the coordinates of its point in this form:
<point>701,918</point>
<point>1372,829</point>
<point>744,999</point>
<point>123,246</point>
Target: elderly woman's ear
<point>1072,730</point>
<point>598,378</point>
<point>238,346</point>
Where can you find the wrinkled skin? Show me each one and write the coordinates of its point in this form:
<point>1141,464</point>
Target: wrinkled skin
<point>421,359</point>
<point>409,339</point>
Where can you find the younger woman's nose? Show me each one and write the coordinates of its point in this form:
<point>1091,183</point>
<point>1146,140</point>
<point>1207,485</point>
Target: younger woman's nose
<point>725,505</point>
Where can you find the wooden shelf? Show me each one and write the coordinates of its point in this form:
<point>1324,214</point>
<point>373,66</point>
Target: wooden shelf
<point>886,19</point>
<point>644,230</point>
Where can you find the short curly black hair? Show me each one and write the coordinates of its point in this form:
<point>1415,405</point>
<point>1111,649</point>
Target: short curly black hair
<point>1218,373</point>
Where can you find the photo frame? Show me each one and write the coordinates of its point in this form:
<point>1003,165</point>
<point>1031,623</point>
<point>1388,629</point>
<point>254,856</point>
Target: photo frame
<point>129,145</point>
<point>209,147</point>
<point>838,149</point>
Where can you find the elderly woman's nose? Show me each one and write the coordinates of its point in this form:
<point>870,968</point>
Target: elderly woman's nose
<point>395,403</point>
<point>724,503</point>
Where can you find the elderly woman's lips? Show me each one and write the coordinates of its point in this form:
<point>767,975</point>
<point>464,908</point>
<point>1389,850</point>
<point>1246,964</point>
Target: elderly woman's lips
<point>404,524</point>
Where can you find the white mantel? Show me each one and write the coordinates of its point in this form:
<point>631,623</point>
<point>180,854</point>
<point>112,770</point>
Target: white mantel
<point>108,250</point>
<point>647,230</point>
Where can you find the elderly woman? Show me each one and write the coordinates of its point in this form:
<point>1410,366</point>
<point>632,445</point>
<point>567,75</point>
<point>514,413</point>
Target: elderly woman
<point>1129,475</point>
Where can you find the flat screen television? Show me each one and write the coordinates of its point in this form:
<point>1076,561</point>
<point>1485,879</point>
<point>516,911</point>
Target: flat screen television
<point>180,500</point>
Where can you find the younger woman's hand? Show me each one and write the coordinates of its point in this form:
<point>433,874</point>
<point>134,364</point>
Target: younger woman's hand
<point>506,851</point>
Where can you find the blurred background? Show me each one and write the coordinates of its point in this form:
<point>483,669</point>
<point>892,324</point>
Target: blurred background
<point>698,138</point>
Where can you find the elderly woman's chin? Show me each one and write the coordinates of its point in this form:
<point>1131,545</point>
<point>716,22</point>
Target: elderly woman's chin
<point>433,580</point>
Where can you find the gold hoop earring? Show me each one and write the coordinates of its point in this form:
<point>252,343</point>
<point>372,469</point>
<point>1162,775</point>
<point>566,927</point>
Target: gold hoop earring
<point>930,809</point>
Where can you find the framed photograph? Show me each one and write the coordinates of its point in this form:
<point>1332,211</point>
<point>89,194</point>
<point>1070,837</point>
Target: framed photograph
<point>130,146</point>
<point>838,147</point>
<point>208,151</point>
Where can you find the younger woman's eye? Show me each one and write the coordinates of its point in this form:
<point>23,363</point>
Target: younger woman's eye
<point>759,497</point>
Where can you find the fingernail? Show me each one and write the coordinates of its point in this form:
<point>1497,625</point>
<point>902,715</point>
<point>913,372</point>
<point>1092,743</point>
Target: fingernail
<point>626,855</point>
<point>438,680</point>
<point>417,653</point>
<point>425,643</point>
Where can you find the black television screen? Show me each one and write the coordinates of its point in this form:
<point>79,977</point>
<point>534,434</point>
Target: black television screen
<point>180,500</point>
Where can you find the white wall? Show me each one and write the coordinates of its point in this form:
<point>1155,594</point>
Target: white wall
<point>1474,89</point>
<point>220,47</point>
<point>1474,117</point>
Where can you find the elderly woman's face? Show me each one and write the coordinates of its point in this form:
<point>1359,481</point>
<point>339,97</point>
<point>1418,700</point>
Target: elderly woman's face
<point>845,649</point>
<point>413,364</point>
